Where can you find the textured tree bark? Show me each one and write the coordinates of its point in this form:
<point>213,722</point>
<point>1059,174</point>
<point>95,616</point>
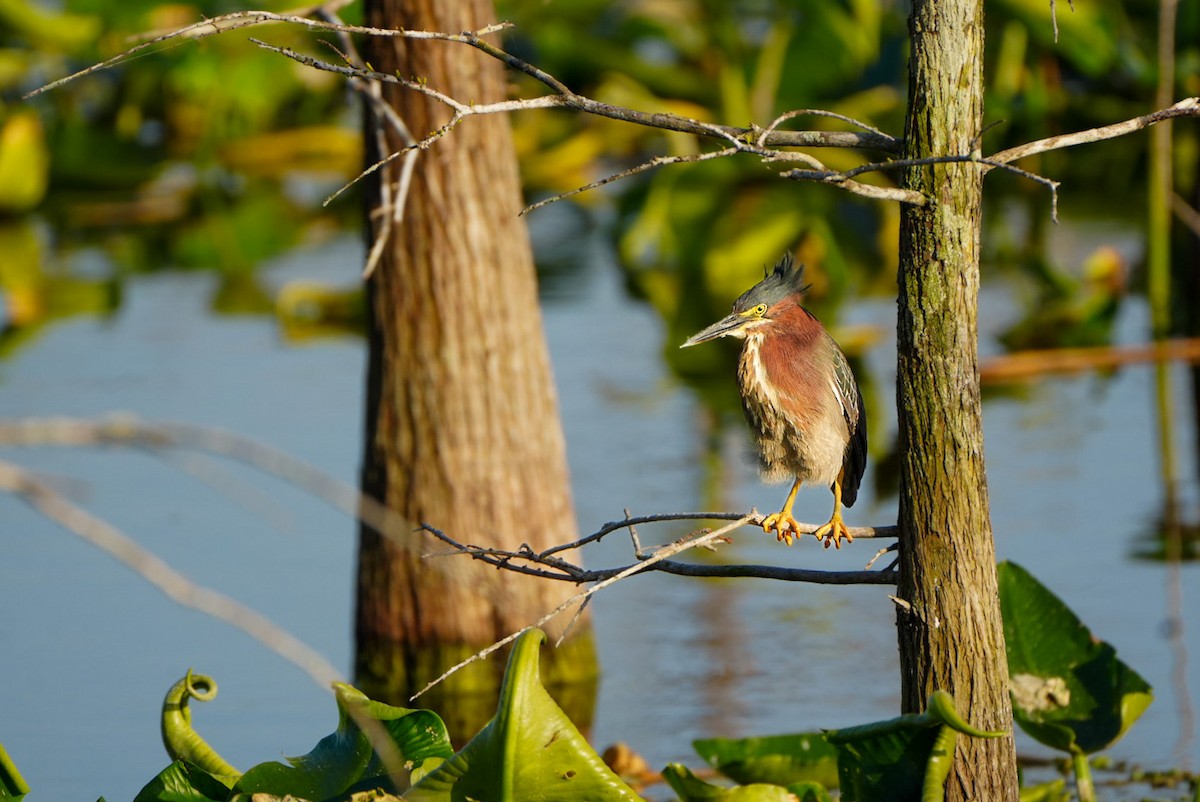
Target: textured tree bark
<point>950,631</point>
<point>462,427</point>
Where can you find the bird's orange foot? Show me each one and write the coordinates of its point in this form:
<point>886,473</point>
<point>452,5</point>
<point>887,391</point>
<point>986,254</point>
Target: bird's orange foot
<point>834,532</point>
<point>784,526</point>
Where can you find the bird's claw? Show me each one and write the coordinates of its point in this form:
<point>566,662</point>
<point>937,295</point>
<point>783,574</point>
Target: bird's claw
<point>834,532</point>
<point>784,526</point>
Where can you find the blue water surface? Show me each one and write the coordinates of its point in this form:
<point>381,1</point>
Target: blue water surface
<point>90,648</point>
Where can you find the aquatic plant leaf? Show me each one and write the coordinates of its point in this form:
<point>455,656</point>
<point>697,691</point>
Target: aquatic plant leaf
<point>346,759</point>
<point>904,758</point>
<point>777,759</point>
<point>529,750</point>
<point>180,739</point>
<point>1069,690</point>
<point>691,788</point>
<point>12,784</point>
<point>1052,791</point>
<point>184,782</point>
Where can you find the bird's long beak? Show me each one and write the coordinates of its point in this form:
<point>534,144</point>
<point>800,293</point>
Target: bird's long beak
<point>722,328</point>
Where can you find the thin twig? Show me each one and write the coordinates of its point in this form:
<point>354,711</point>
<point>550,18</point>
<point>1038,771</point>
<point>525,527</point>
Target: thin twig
<point>681,545</point>
<point>657,161</point>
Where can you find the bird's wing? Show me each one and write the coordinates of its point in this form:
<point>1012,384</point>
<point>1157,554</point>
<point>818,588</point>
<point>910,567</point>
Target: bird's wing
<point>846,390</point>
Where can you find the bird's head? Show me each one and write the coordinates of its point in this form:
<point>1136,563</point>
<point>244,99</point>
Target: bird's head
<point>759,307</point>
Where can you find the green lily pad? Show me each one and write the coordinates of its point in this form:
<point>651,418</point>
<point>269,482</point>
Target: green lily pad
<point>529,750</point>
<point>1069,690</point>
<point>777,759</point>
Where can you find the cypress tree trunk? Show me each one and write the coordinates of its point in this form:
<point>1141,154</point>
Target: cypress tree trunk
<point>950,631</point>
<point>462,427</point>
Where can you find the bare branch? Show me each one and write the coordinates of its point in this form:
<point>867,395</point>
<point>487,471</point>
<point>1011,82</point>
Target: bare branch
<point>791,115</point>
<point>246,19</point>
<point>547,566</point>
<point>681,545</point>
<point>858,188</point>
<point>658,561</point>
<point>657,161</point>
<point>764,142</point>
<point>130,432</point>
<point>1188,107</point>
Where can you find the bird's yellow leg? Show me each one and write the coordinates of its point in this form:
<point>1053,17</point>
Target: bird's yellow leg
<point>782,522</point>
<point>835,531</point>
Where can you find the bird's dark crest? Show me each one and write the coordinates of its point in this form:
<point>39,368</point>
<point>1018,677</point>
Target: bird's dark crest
<point>785,280</point>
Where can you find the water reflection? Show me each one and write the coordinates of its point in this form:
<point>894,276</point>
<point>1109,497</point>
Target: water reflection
<point>1073,478</point>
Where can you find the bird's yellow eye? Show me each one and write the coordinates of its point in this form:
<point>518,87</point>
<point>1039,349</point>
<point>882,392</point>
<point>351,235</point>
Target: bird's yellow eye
<point>760,310</point>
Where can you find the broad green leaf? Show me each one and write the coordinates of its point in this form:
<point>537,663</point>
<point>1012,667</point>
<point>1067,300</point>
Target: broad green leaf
<point>12,784</point>
<point>184,782</point>
<point>691,788</point>
<point>902,759</point>
<point>529,750</point>
<point>346,760</point>
<point>1069,690</point>
<point>777,759</point>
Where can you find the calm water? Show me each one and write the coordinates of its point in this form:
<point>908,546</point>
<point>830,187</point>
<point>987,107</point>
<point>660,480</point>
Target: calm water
<point>90,649</point>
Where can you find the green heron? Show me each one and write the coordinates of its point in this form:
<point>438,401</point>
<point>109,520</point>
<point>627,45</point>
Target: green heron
<point>799,396</point>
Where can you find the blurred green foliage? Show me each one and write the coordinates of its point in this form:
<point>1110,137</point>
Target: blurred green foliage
<point>213,154</point>
<point>209,154</point>
<point>691,237</point>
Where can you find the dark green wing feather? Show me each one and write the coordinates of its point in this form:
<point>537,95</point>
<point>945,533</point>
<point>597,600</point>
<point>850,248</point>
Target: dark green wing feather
<point>854,462</point>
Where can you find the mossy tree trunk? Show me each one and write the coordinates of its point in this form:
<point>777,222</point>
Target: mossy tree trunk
<point>950,631</point>
<point>462,426</point>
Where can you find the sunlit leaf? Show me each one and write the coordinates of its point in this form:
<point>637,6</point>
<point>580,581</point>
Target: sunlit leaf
<point>529,750</point>
<point>346,759</point>
<point>12,784</point>
<point>777,759</point>
<point>691,788</point>
<point>183,782</point>
<point>1069,690</point>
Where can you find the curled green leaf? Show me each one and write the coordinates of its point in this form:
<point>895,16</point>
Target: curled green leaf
<point>182,742</point>
<point>942,709</point>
